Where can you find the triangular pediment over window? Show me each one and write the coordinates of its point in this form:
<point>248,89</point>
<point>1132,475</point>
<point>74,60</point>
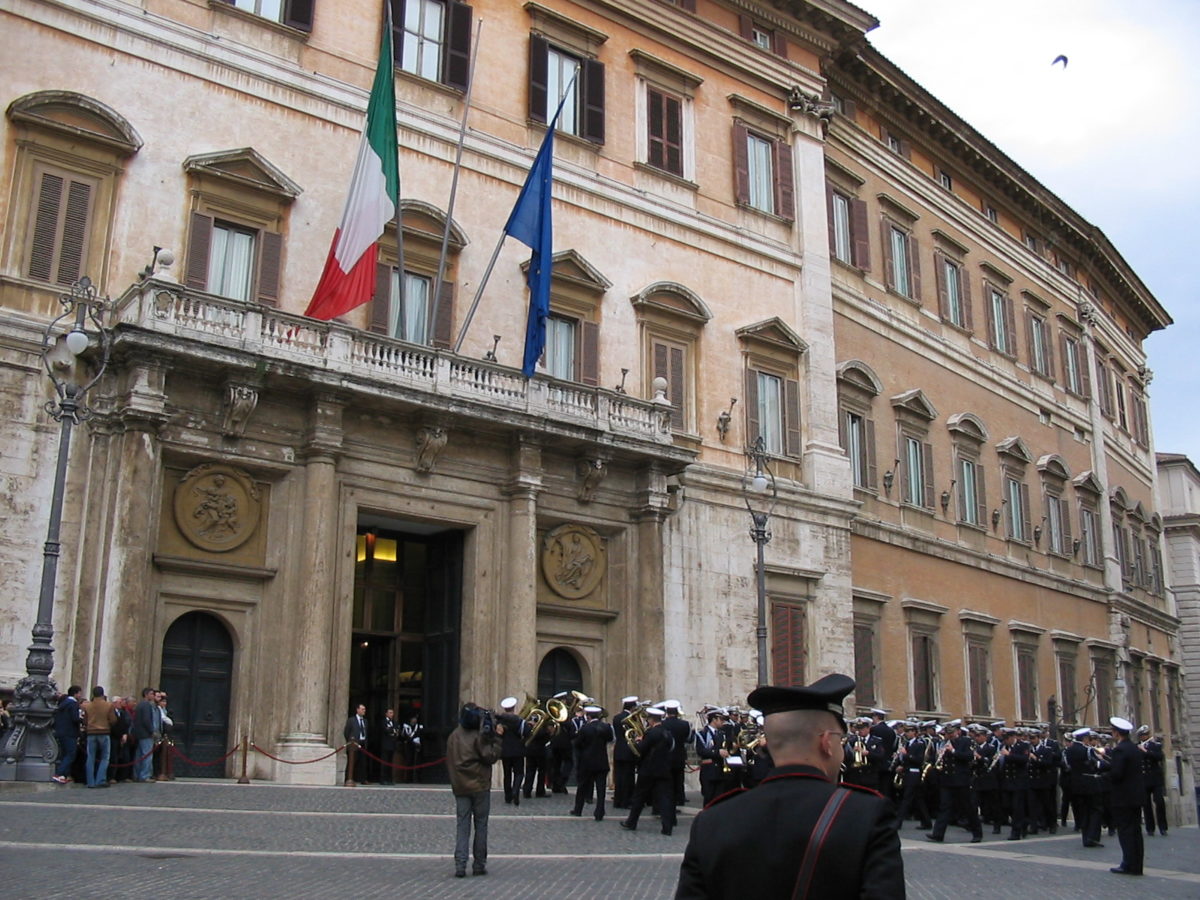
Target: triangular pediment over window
<point>571,267</point>
<point>776,333</point>
<point>915,402</point>
<point>1015,448</point>
<point>77,116</point>
<point>1087,481</point>
<point>1138,511</point>
<point>245,167</point>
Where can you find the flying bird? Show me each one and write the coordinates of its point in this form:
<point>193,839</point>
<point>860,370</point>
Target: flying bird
<point>1060,59</point>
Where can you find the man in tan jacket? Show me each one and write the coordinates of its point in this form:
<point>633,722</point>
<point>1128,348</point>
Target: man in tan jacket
<point>471,751</point>
<point>100,717</point>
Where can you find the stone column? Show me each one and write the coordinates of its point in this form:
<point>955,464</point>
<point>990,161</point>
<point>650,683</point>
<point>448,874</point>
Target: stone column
<point>305,731</point>
<point>647,662</point>
<point>515,612</point>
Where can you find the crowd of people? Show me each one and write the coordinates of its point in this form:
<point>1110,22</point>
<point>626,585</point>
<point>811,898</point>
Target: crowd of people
<point>106,740</point>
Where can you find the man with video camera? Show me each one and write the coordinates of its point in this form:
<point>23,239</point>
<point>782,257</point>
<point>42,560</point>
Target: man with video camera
<point>471,751</point>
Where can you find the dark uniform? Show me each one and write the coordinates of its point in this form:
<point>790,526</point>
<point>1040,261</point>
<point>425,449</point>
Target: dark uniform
<point>1128,795</point>
<point>592,743</point>
<point>956,756</point>
<point>624,760</point>
<point>681,731</point>
<point>537,758</point>
<point>1014,784</point>
<point>985,783</point>
<point>1084,773</point>
<point>865,767</point>
<point>1152,776</point>
<point>1044,758</point>
<point>915,754</point>
<point>714,780</point>
<point>654,778</point>
<point>512,755</point>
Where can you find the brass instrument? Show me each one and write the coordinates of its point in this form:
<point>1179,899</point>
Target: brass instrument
<point>554,714</point>
<point>997,759</point>
<point>634,727</point>
<point>860,753</point>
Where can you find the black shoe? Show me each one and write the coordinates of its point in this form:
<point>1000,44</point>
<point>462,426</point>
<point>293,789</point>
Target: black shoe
<point>599,818</point>
<point>1094,844</point>
<point>977,839</point>
<point>571,812</point>
<point>995,829</point>
<point>667,832</point>
<point>539,794</point>
<point>1149,834</point>
<point>1163,832</point>
<point>628,827</point>
<point>460,873</point>
<point>1121,870</point>
<point>479,871</point>
<point>516,802</point>
<point>529,795</point>
<point>1014,837</point>
<point>1053,829</point>
<point>934,838</point>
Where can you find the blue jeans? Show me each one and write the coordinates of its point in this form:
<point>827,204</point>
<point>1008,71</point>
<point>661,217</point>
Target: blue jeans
<point>97,759</point>
<point>477,807</point>
<point>67,748</point>
<point>144,770</point>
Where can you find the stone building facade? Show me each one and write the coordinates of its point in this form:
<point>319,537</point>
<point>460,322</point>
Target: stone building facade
<point>279,518</point>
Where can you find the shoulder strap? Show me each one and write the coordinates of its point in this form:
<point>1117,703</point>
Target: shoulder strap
<point>817,840</point>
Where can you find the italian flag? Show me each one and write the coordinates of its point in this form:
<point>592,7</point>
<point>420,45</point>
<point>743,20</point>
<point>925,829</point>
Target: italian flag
<point>349,277</point>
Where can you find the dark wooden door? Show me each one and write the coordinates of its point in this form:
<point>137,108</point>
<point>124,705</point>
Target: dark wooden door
<point>197,670</point>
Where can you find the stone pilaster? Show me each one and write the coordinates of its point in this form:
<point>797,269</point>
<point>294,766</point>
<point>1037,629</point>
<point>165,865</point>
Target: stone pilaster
<point>518,670</point>
<point>647,660</point>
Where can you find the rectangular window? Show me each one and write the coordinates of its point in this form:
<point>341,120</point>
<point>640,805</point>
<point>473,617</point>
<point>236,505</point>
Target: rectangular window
<point>1073,375</point>
<point>552,76</point>
<point>1039,345</point>
<point>1066,688</point>
<point>1155,703</point>
<point>972,504</point>
<point>762,37</point>
<point>773,411</point>
<point>1138,567</point>
<point>409,317</point>
<point>231,261</point>
<point>916,460</point>
<point>860,447</point>
<point>762,177</point>
<point>894,144</point>
<point>1027,682</point>
<point>424,29</point>
<point>1058,526</point>
<point>864,663</point>
<point>1103,673</point>
<point>992,215</point>
<point>944,179</point>
<point>848,225</point>
<point>1103,386</point>
<point>62,216</point>
<point>1121,545</point>
<point>900,262</point>
<point>953,296</point>
<point>1119,395</point>
<point>1000,322</point>
<point>841,243</point>
<point>432,39</point>
<point>268,9</point>
<point>560,82</point>
<point>1016,497</point>
<point>924,672</point>
<point>979,668</point>
<point>770,411</point>
<point>664,124</point>
<point>561,335</point>
<point>670,363</point>
<point>788,643</point>
<point>1089,536</point>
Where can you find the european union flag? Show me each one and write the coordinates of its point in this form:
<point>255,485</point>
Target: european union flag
<point>530,224</point>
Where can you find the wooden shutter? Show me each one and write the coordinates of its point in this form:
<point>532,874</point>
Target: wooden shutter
<point>45,227</point>
<point>1026,525</point>
<point>858,234</point>
<point>741,164</point>
<point>656,128</point>
<point>1048,349</point>
<point>381,302</point>
<point>688,5</point>
<point>914,268</point>
<point>1085,375</point>
<point>922,694</point>
<point>981,510</point>
<point>791,415</point>
<point>443,325</point>
<point>829,219</point>
<point>939,279</point>
<point>589,353</point>
<point>746,26</point>
<point>1064,515</point>
<point>668,365</point>
<point>785,186</point>
<point>270,262</point>
<point>927,474</point>
<point>902,467</point>
<point>74,232</point>
<point>299,14</point>
<point>964,298</point>
<point>539,61</point>
<point>199,245</point>
<point>753,427</point>
<point>991,314</point>
<point>787,644</point>
<point>673,113</point>
<point>593,100</point>
<point>843,439</point>
<point>872,466</point>
<point>889,260</point>
<point>864,663</point>
<point>1011,321</point>
<point>779,44</point>
<point>1029,346</point>
<point>905,149</point>
<point>398,31</point>
<point>977,673</point>
<point>457,67</point>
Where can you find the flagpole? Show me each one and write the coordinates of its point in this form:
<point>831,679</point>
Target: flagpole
<point>462,137</point>
<point>462,334</point>
<point>399,187</point>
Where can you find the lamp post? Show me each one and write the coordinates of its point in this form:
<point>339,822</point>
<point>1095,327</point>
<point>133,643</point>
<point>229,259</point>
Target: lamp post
<point>29,749</point>
<point>759,492</point>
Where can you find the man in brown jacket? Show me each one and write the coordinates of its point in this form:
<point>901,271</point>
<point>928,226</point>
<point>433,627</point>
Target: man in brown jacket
<point>100,716</point>
<point>471,751</point>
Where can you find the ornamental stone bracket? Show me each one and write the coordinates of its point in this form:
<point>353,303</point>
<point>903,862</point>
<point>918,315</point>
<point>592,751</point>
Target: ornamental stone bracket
<point>812,106</point>
<point>217,507</point>
<point>1088,314</point>
<point>590,471</point>
<point>240,402</point>
<point>430,442</point>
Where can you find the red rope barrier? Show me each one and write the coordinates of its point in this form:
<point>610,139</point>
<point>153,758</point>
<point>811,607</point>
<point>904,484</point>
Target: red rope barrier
<point>296,762</point>
<point>367,753</point>
<point>113,765</point>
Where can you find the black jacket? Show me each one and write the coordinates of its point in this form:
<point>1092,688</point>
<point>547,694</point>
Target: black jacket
<point>751,844</point>
<point>680,731</point>
<point>655,748</point>
<point>592,741</point>
<point>1128,786</point>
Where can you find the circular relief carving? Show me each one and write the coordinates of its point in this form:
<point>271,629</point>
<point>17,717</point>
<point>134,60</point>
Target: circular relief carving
<point>217,507</point>
<point>573,561</point>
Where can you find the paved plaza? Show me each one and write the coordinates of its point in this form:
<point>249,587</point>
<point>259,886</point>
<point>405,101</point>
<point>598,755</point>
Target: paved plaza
<point>216,839</point>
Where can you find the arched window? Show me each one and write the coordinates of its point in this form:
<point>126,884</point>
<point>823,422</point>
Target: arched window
<point>559,671</point>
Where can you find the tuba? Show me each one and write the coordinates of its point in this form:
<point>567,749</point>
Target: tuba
<point>634,726</point>
<point>554,714</point>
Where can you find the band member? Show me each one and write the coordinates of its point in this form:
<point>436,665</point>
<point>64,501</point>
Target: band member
<point>882,730</point>
<point>1067,802</point>
<point>1128,797</point>
<point>654,774</point>
<point>985,778</point>
<point>592,743</point>
<point>1044,757</point>
<point>624,760</point>
<point>1085,787</point>
<point>1014,782</point>
<point>713,747</point>
<point>914,753</point>
<point>865,758</point>
<point>1155,809</point>
<point>954,760</point>
<point>537,761</point>
<point>681,733</point>
<point>561,751</point>
<point>411,735</point>
<point>512,750</point>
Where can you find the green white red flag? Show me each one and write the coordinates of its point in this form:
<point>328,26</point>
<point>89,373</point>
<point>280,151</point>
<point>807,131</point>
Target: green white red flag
<point>349,276</point>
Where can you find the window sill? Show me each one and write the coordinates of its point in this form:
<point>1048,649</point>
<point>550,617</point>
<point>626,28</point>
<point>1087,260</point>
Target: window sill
<point>666,176</point>
<point>961,329</point>
<point>914,301</point>
<point>766,215</point>
<point>573,139</point>
<point>971,526</point>
<point>228,9</point>
<point>860,270</point>
<point>422,81</point>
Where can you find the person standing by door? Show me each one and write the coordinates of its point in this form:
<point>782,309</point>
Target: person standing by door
<point>356,730</point>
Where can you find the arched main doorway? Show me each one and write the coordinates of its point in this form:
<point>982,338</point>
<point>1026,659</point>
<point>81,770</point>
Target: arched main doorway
<point>559,671</point>
<point>197,671</point>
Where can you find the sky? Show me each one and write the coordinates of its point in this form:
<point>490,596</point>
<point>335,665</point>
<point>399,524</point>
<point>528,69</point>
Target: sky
<point>1115,134</point>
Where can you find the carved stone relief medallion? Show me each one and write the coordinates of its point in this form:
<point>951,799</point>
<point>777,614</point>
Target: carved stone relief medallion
<point>573,561</point>
<point>217,507</point>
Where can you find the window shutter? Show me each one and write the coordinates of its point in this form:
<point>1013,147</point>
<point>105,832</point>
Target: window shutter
<point>1048,350</point>
<point>858,234</point>
<point>779,45</point>
<point>673,113</point>
<point>981,510</point>
<point>589,353</point>
<point>849,108</point>
<point>741,163</point>
<point>593,100</point>
<point>787,644</point>
<point>656,128</point>
<point>964,295</point>
<point>902,466</point>
<point>785,186</point>
<point>746,26</point>
<point>381,302</point>
<point>398,31</point>
<point>443,326</point>
<point>688,5</point>
<point>299,14</point>
<point>1085,376</point>
<point>677,385</point>
<point>539,61</point>
<point>1066,375</point>
<point>829,219</point>
<point>991,314</point>
<point>939,279</point>
<point>1064,514</point>
<point>914,268</point>
<point>74,232</point>
<point>927,466</point>
<point>864,663</point>
<point>1029,340</point>
<point>753,428</point>
<point>45,228</point>
<point>791,391</point>
<point>921,687</point>
<point>889,273</point>
<point>872,467</point>
<point>1011,321</point>
<point>843,415</point>
<point>458,46</point>
<point>905,149</point>
<point>270,258</point>
<point>1026,526</point>
<point>199,244</point>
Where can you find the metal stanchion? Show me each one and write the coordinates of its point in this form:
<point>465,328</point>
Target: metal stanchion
<point>243,779</point>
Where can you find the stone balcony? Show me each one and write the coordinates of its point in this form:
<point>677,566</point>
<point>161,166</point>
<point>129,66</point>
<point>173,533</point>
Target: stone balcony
<point>169,318</point>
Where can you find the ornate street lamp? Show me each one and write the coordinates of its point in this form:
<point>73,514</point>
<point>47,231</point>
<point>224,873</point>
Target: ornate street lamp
<point>29,750</point>
<point>760,493</point>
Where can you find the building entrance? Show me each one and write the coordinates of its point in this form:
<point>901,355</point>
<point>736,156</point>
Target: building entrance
<point>404,650</point>
<point>197,669</point>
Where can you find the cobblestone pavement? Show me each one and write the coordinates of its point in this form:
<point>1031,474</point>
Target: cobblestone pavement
<point>215,839</point>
